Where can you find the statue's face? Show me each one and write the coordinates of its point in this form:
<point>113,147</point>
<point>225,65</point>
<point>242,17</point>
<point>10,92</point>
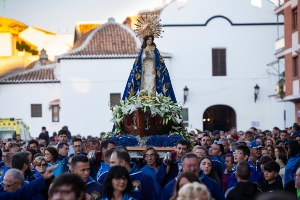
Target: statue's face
<point>149,41</point>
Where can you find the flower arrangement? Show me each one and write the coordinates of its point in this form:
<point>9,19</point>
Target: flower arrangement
<point>125,140</point>
<point>155,105</point>
<point>163,140</point>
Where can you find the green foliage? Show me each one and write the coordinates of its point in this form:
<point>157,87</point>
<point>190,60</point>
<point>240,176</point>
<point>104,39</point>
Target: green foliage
<point>151,104</point>
<point>24,46</point>
<point>281,84</point>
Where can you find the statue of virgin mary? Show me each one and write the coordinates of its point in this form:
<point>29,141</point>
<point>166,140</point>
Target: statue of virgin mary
<point>149,72</point>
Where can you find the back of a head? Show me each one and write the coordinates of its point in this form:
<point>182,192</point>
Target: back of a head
<point>19,159</point>
<point>243,170</point>
<point>265,159</point>
<point>69,179</point>
<point>8,158</point>
<point>16,175</point>
<point>294,148</point>
<point>192,190</point>
<point>122,155</point>
<point>108,155</point>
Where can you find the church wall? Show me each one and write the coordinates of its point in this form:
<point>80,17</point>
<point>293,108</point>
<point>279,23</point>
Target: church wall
<point>16,100</point>
<point>86,87</point>
<point>248,50</point>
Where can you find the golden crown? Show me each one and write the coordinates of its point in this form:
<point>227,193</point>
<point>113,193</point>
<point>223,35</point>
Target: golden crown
<point>148,24</point>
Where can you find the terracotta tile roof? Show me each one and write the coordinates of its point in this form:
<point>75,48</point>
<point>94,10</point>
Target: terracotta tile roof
<point>83,28</point>
<point>110,40</point>
<point>32,76</point>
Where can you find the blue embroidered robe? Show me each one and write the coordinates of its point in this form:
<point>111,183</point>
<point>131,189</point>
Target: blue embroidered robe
<point>163,81</point>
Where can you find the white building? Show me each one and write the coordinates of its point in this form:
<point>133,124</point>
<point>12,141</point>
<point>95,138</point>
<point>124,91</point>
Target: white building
<point>95,71</point>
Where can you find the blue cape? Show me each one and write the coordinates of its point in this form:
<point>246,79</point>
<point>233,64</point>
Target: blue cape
<point>163,81</point>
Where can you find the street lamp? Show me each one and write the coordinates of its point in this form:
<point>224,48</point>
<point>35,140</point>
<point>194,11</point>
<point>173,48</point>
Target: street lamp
<point>256,91</point>
<point>185,93</point>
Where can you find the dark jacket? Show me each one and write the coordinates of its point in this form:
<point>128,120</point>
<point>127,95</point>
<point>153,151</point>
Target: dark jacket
<point>266,187</point>
<point>243,190</point>
<point>45,136</point>
<point>212,185</point>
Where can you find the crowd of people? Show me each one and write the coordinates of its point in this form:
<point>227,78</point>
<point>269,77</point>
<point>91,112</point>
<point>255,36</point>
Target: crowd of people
<point>219,165</point>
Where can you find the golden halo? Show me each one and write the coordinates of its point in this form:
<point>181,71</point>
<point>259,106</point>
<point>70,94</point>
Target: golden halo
<point>149,24</point>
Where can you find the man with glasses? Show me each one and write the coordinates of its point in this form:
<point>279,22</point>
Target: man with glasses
<point>242,153</point>
<point>75,147</point>
<point>152,167</point>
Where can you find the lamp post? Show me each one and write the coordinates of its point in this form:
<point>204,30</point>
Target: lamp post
<point>185,93</point>
<point>256,91</point>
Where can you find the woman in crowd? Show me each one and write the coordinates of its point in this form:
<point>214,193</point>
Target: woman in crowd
<point>282,161</point>
<point>51,155</point>
<point>40,163</point>
<point>280,150</point>
<point>271,150</point>
<point>294,158</point>
<point>194,191</point>
<point>184,178</point>
<point>229,163</point>
<point>117,184</point>
<point>207,166</point>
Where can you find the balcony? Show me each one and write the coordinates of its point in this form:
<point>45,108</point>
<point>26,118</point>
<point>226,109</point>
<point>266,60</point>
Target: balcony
<point>279,45</point>
<point>280,6</point>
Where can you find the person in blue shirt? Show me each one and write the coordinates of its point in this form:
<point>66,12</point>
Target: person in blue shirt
<point>216,151</point>
<point>190,163</point>
<point>152,167</point>
<point>20,161</point>
<point>7,165</point>
<point>51,155</point>
<point>293,161</point>
<point>13,180</point>
<point>168,171</point>
<point>68,186</point>
<point>30,190</point>
<point>142,184</point>
<point>63,150</point>
<point>105,166</point>
<point>80,166</point>
<point>226,146</point>
<point>117,184</point>
<point>242,153</point>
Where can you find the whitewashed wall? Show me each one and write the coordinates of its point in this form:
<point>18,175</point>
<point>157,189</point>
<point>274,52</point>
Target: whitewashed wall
<point>86,87</point>
<point>16,100</point>
<point>249,49</point>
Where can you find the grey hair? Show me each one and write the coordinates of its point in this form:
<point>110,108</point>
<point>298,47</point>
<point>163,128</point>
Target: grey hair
<point>224,139</point>
<point>17,175</point>
<point>189,155</point>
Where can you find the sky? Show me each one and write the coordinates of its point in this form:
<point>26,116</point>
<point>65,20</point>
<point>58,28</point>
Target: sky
<point>60,16</point>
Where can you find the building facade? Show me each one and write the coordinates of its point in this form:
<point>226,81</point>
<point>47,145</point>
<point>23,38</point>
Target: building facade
<point>287,51</point>
<point>217,49</point>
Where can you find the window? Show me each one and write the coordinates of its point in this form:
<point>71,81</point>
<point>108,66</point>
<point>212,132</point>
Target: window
<point>295,66</point>
<point>295,18</point>
<point>185,116</point>
<point>55,113</point>
<point>115,99</point>
<point>36,110</point>
<point>219,62</point>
